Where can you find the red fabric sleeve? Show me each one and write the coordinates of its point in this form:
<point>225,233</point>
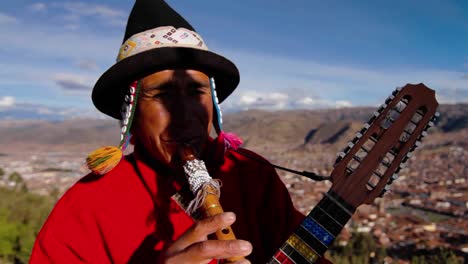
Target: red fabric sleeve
<point>69,236</point>
<point>49,250</point>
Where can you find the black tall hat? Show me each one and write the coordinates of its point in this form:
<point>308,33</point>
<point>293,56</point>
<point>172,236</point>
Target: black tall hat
<point>158,38</point>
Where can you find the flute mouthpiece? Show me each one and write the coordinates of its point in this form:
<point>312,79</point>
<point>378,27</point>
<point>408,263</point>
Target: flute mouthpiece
<point>186,152</point>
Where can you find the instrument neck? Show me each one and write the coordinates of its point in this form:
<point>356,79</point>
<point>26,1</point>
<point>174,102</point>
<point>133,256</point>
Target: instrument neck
<point>317,232</point>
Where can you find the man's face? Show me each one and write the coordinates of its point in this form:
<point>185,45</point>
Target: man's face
<point>174,107</point>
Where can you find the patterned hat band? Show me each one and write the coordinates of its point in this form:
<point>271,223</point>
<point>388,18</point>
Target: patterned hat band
<point>160,37</point>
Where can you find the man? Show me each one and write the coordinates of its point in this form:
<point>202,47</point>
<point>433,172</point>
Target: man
<point>163,88</point>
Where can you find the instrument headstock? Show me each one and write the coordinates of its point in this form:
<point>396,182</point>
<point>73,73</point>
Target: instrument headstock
<point>372,160</point>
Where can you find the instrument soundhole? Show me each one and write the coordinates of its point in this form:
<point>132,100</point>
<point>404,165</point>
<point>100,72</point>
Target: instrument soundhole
<point>225,231</point>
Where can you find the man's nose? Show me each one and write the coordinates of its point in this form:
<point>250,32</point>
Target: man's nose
<point>185,110</point>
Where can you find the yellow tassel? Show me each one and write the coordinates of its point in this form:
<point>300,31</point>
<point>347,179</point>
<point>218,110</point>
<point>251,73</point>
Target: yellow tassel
<point>104,159</point>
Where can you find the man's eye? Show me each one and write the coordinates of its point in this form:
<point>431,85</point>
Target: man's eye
<point>199,90</point>
<point>160,94</point>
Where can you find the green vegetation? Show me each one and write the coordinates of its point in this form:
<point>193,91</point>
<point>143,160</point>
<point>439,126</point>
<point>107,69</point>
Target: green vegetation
<point>440,256</point>
<point>56,170</point>
<point>360,249</point>
<point>21,216</point>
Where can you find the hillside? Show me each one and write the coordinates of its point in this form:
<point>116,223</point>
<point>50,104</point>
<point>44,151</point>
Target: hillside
<point>255,127</point>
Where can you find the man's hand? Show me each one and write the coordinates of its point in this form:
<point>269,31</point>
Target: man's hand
<point>194,247</point>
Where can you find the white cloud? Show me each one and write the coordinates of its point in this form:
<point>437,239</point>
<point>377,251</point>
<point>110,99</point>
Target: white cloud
<point>86,9</point>
<point>87,64</point>
<point>61,43</point>
<point>267,81</point>
<point>452,96</point>
<point>334,84</point>
<point>76,10</point>
<point>38,7</point>
<point>279,101</point>
<point>7,19</point>
<point>257,100</point>
<point>73,82</point>
<point>7,101</point>
<point>343,103</point>
<point>314,103</point>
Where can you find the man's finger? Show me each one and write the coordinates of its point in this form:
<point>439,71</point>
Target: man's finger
<point>200,231</point>
<point>217,249</point>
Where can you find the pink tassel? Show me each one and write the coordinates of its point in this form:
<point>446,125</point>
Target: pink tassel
<point>231,140</point>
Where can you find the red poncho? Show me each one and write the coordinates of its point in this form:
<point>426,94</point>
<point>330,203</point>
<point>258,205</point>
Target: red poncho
<point>128,215</point>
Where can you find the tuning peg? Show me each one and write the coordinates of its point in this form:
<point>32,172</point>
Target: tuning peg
<point>405,159</point>
<point>385,189</point>
<point>390,98</point>
<point>382,107</point>
<point>424,134</point>
<point>417,143</point>
<point>397,170</point>
<point>397,90</point>
<point>364,128</point>
<point>393,178</point>
<point>357,137</point>
<point>373,117</point>
<point>436,114</point>
<point>350,144</point>
<point>339,157</point>
<point>402,165</point>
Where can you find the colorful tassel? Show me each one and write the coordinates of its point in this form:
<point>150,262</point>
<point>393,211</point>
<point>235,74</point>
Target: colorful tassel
<point>231,140</point>
<point>104,159</point>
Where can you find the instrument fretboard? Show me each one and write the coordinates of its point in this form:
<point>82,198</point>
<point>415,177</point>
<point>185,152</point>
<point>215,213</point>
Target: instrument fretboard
<point>316,233</point>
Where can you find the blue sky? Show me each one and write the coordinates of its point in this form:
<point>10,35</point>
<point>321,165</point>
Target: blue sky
<point>291,54</point>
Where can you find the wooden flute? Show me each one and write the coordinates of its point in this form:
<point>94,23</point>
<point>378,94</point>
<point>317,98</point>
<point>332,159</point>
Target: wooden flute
<point>206,194</point>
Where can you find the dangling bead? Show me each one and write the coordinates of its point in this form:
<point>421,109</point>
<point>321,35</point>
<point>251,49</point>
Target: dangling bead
<point>107,158</point>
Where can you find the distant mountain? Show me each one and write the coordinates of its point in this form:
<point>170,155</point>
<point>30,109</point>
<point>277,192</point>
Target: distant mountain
<point>40,112</point>
<point>332,132</point>
<point>322,126</point>
<point>254,126</point>
<point>23,133</point>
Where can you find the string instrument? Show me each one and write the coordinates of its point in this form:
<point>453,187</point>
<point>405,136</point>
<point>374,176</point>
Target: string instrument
<point>206,191</point>
<point>364,170</point>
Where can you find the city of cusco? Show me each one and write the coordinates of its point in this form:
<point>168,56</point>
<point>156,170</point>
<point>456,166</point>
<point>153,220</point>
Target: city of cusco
<point>424,212</point>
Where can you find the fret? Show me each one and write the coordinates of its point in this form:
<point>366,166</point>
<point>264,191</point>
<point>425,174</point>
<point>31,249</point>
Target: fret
<point>311,240</point>
<point>338,203</point>
<point>317,232</point>
<point>293,254</point>
<point>327,221</point>
<point>280,258</point>
<point>302,248</point>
